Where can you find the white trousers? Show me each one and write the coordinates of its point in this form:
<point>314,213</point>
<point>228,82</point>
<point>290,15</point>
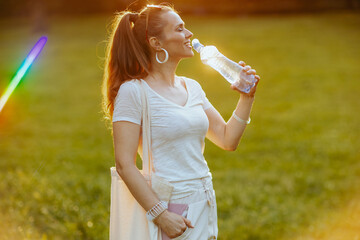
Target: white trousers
<point>199,194</point>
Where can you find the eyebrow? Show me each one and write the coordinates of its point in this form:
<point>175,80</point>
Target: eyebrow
<point>181,24</point>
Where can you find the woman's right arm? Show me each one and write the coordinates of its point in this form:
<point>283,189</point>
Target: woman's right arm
<point>126,141</point>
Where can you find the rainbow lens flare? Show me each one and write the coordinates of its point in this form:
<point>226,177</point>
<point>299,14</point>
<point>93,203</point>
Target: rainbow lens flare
<point>35,51</point>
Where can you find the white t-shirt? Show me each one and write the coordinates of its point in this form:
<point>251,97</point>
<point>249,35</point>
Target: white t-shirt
<point>177,132</point>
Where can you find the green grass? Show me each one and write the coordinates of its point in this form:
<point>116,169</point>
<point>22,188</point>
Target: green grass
<point>297,162</point>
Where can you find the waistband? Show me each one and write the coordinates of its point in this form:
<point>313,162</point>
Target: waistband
<point>185,188</point>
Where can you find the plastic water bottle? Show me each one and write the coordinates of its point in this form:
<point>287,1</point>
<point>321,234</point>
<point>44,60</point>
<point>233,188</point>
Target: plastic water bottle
<point>229,69</point>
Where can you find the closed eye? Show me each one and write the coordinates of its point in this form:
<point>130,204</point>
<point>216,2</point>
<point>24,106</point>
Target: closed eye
<point>180,27</point>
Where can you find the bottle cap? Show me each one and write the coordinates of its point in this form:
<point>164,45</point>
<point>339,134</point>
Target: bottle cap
<point>196,45</point>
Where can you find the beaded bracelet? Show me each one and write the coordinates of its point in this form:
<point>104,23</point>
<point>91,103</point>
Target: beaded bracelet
<point>241,120</point>
<point>156,210</point>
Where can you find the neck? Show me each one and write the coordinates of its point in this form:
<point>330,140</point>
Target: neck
<point>163,73</point>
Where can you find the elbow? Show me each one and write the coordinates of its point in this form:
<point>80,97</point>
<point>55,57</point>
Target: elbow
<point>121,169</point>
<point>231,148</point>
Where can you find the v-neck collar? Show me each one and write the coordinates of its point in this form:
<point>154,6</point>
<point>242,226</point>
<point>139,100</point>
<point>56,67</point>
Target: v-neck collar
<point>167,100</point>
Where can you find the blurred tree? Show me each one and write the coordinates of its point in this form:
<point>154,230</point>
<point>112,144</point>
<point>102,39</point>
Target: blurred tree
<point>38,12</point>
<point>13,8</point>
<point>354,4</point>
<point>16,7</point>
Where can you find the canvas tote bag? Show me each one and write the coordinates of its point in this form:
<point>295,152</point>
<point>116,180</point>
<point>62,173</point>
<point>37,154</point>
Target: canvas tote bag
<point>127,217</point>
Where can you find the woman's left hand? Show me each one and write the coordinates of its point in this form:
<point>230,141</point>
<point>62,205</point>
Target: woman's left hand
<point>248,71</point>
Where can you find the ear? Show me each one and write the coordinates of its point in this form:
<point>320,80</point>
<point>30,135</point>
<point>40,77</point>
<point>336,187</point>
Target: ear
<point>155,43</point>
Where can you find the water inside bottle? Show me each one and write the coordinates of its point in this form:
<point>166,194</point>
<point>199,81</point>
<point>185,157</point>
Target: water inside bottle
<point>230,70</point>
<point>226,69</point>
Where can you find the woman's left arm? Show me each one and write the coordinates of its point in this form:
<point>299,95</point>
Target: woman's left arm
<point>228,135</point>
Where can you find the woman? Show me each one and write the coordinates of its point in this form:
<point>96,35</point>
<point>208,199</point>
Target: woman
<point>147,46</point>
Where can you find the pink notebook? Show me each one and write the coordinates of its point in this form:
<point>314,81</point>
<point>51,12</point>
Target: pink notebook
<point>177,208</point>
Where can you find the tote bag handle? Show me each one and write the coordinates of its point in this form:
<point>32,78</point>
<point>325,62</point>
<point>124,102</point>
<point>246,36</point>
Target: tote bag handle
<point>147,160</point>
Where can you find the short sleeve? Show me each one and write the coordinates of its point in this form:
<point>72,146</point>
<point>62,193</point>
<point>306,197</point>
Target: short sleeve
<point>199,92</point>
<point>206,102</point>
<point>127,104</point>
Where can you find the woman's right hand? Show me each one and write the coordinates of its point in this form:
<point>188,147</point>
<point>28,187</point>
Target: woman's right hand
<point>172,224</point>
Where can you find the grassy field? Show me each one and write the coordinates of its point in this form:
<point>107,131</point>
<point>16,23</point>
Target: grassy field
<point>297,167</point>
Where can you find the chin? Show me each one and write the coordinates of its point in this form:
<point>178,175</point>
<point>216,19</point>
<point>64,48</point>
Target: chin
<point>188,54</point>
<point>191,54</point>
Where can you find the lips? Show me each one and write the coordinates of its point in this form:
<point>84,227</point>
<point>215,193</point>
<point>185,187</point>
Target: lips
<point>188,44</point>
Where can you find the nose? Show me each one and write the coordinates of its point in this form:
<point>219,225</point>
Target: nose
<point>190,34</point>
